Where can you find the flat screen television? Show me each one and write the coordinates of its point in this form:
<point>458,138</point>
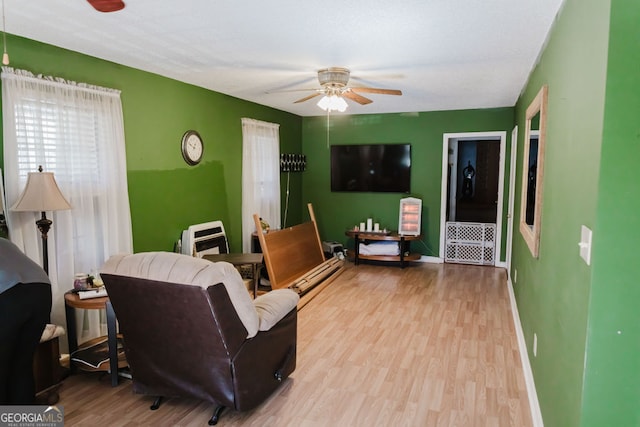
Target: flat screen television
<point>384,168</point>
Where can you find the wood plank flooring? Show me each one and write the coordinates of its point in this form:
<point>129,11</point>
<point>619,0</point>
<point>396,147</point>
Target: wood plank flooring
<point>428,345</point>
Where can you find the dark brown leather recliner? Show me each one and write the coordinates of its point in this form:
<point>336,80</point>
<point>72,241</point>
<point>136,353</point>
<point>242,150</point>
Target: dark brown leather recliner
<point>190,329</point>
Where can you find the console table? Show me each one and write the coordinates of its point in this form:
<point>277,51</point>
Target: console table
<point>403,242</point>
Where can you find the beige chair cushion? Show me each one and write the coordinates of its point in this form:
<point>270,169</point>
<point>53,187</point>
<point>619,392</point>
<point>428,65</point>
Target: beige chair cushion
<point>183,269</point>
<point>51,331</point>
<point>273,306</point>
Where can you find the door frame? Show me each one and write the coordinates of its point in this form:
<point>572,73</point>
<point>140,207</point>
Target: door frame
<point>512,196</point>
<point>472,136</point>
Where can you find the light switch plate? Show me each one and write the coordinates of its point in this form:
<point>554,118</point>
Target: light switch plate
<point>585,244</point>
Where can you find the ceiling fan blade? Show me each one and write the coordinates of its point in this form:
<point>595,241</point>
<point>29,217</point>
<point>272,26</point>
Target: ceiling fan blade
<point>291,90</point>
<point>107,5</point>
<point>355,97</point>
<point>306,98</point>
<point>376,90</point>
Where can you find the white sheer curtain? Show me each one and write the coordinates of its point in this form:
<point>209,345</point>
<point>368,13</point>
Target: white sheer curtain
<point>260,176</point>
<point>76,131</point>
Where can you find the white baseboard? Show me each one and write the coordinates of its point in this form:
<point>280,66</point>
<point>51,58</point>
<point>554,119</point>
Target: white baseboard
<point>431,259</point>
<point>534,405</point>
<point>438,260</point>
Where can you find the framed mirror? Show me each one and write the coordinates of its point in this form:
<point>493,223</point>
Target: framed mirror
<point>533,171</point>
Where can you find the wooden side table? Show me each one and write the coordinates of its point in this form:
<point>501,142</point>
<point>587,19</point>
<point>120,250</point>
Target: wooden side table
<point>241,259</point>
<point>402,239</point>
<point>73,301</point>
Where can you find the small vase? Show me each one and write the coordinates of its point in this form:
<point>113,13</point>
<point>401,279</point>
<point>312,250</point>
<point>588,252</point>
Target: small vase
<point>80,281</point>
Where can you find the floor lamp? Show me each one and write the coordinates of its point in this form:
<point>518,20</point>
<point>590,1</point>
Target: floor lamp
<point>42,194</point>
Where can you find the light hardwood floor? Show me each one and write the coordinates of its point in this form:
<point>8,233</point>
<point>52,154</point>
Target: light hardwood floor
<point>428,345</point>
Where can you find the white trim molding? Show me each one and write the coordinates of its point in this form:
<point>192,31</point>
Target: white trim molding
<point>534,405</point>
<point>446,137</point>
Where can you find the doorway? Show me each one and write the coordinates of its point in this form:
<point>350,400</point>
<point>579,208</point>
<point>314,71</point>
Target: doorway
<point>472,197</point>
<point>476,192</point>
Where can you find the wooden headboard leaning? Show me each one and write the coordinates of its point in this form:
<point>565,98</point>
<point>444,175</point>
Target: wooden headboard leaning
<point>294,258</point>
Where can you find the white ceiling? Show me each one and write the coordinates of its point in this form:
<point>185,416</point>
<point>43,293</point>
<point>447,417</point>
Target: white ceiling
<point>442,54</point>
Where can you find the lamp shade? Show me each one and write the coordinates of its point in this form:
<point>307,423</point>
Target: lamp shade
<point>41,194</point>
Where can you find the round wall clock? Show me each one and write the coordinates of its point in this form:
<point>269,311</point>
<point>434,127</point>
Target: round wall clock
<point>192,147</point>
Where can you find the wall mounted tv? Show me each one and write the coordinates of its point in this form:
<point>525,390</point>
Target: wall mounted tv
<point>383,168</point>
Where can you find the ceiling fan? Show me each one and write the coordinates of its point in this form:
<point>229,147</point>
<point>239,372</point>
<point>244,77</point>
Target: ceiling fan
<point>335,82</point>
<point>107,5</point>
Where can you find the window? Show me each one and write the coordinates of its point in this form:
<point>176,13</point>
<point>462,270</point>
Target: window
<point>63,136</point>
<point>75,131</point>
<point>260,176</point>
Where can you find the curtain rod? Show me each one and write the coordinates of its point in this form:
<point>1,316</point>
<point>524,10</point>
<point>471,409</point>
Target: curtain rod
<point>11,73</point>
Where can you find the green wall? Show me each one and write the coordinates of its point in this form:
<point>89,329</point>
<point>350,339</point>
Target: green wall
<point>612,376</point>
<point>553,291</point>
<point>336,212</point>
<point>166,194</point>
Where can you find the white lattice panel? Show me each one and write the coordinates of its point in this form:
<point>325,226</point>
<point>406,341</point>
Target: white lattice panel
<point>470,243</point>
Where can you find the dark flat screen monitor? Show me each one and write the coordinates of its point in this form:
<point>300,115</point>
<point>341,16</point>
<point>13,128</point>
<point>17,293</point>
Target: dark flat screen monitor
<point>384,168</point>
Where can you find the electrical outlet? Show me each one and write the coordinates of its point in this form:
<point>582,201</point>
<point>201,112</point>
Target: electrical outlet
<point>535,344</point>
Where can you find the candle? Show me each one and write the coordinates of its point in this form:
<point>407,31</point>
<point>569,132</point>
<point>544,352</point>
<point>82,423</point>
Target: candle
<point>362,226</point>
<point>369,224</point>
<point>376,226</point>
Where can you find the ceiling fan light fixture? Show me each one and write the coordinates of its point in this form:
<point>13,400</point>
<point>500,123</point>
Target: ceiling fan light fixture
<point>335,88</point>
<point>333,103</point>
<point>336,77</point>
